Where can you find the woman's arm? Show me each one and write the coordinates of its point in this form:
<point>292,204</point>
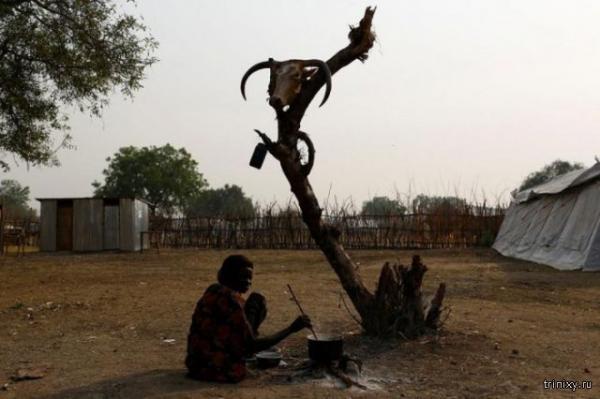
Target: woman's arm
<point>300,323</point>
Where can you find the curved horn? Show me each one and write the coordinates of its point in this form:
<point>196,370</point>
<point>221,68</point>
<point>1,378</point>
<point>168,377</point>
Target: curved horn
<point>323,66</point>
<point>254,68</point>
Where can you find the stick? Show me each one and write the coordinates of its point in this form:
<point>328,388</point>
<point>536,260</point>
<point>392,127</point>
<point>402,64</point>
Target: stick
<point>348,310</point>
<point>345,379</point>
<point>301,311</point>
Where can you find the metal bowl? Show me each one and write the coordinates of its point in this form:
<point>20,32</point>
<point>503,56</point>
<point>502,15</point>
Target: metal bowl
<point>268,359</point>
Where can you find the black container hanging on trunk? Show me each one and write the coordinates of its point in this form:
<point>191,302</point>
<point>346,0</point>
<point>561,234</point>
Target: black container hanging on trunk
<point>258,157</point>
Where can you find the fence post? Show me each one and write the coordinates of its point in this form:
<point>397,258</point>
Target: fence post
<point>1,229</point>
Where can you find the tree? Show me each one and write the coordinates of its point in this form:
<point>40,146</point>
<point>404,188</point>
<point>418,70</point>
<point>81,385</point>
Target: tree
<point>396,307</point>
<point>382,206</point>
<point>549,172</point>
<point>15,200</point>
<point>228,201</point>
<point>436,204</point>
<point>62,52</point>
<point>165,176</point>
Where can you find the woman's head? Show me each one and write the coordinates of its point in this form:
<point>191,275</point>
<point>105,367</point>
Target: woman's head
<point>236,273</point>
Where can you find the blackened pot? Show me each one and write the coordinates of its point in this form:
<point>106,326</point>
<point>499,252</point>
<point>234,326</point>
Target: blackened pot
<point>326,349</point>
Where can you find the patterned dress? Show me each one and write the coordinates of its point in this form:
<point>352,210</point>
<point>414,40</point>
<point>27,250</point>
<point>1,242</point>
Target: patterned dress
<point>220,337</point>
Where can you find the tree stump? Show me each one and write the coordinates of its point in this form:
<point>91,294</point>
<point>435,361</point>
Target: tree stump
<point>398,306</point>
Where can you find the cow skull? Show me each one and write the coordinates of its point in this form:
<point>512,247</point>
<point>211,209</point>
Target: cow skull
<point>287,78</point>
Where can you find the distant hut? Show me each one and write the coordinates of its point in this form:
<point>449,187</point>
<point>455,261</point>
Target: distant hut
<point>93,224</point>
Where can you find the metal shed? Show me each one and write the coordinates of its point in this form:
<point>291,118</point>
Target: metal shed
<point>93,224</point>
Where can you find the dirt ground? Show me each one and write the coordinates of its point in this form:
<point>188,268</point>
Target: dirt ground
<point>103,325</point>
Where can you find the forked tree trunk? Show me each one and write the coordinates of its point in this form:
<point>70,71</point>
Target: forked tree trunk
<point>397,306</point>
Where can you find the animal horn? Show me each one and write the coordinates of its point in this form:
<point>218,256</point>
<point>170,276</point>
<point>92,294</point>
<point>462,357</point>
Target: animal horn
<point>254,68</point>
<point>322,66</point>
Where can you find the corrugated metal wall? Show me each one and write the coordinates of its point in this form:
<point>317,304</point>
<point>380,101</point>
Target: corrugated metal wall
<point>48,226</point>
<point>133,221</point>
<point>141,224</point>
<point>126,224</point>
<point>87,224</point>
<point>111,227</point>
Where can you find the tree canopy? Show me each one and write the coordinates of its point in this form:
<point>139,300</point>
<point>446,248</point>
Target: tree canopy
<point>62,52</point>
<point>15,199</point>
<point>438,204</point>
<point>165,176</point>
<point>548,172</point>
<point>382,206</point>
<point>228,201</point>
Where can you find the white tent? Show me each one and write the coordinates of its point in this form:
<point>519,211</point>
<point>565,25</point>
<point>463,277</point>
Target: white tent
<point>556,223</point>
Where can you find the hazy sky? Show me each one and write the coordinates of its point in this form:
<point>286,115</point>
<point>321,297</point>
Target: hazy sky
<point>457,96</point>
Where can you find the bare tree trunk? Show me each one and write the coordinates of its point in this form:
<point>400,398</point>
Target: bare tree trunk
<point>378,312</point>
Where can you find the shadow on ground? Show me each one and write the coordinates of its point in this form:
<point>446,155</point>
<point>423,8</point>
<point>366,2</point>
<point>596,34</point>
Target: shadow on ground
<point>155,383</point>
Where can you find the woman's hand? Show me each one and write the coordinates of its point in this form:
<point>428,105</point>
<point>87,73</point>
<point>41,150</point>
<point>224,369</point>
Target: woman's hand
<point>300,323</point>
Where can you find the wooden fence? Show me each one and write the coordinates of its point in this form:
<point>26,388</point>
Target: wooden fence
<point>473,227</point>
<point>17,234</point>
<point>464,230</point>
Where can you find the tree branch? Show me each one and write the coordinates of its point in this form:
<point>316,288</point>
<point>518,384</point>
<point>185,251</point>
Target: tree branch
<point>311,153</point>
<point>361,40</point>
<point>285,150</point>
<point>397,304</point>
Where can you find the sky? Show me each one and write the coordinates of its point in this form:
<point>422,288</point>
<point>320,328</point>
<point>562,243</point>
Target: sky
<point>457,97</point>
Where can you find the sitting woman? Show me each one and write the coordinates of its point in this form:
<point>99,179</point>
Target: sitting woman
<point>224,326</point>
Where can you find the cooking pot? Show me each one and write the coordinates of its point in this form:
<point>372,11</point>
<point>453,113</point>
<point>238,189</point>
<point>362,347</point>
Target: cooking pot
<point>326,348</point>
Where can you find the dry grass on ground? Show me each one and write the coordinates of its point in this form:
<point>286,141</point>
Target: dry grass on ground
<point>98,323</point>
